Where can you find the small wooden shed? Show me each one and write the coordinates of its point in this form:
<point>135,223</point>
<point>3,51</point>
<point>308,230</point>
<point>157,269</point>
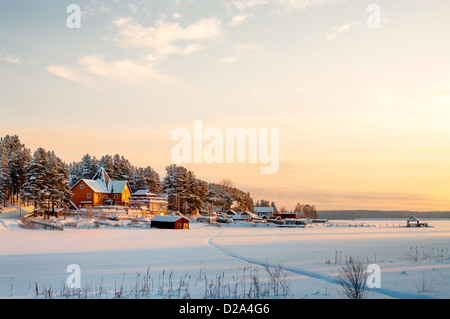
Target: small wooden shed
<point>169,222</point>
<point>414,221</point>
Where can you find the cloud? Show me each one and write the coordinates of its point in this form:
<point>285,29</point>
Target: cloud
<point>95,8</point>
<point>239,19</point>
<point>165,38</point>
<point>228,59</point>
<point>124,72</point>
<point>176,15</point>
<point>132,8</point>
<point>72,75</point>
<point>341,29</point>
<point>284,5</point>
<point>240,50</point>
<point>14,59</point>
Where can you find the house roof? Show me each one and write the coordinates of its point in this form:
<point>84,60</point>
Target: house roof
<point>166,218</point>
<point>143,192</point>
<point>101,183</point>
<point>96,185</point>
<point>248,214</point>
<point>263,210</point>
<point>116,187</point>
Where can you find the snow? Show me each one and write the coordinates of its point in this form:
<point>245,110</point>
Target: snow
<point>414,262</point>
<point>165,218</point>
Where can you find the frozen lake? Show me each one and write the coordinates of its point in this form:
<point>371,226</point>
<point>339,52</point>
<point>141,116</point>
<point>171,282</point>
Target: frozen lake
<point>223,262</point>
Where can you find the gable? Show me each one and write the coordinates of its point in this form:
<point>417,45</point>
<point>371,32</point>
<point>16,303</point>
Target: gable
<point>118,187</point>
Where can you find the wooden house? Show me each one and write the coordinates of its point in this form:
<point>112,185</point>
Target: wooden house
<point>149,202</point>
<point>264,211</point>
<point>169,222</point>
<point>100,190</point>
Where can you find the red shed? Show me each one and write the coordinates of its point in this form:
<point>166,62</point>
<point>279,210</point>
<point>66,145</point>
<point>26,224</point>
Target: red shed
<point>169,222</point>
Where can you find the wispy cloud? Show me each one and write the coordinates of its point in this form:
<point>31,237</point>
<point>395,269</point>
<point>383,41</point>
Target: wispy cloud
<point>239,19</point>
<point>284,5</point>
<point>73,75</point>
<point>94,8</point>
<point>337,30</point>
<point>165,38</point>
<point>228,59</point>
<point>124,72</point>
<point>240,50</point>
<point>10,58</point>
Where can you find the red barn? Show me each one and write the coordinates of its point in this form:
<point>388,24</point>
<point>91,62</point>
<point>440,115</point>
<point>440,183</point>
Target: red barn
<point>169,222</point>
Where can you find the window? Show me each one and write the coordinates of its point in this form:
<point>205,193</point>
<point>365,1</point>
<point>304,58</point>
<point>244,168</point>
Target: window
<point>88,195</point>
<point>82,186</point>
<point>116,196</point>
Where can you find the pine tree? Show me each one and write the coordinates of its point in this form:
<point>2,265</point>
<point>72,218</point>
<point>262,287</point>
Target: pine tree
<point>146,178</point>
<point>74,173</point>
<point>175,185</point>
<point>88,167</point>
<point>58,180</point>
<point>14,158</point>
<point>36,188</point>
<point>4,176</point>
<point>107,162</point>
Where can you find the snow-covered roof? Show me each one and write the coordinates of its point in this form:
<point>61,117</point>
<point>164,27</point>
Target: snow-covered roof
<point>116,187</point>
<point>143,192</point>
<point>101,183</point>
<point>248,214</point>
<point>166,218</point>
<point>96,185</point>
<point>101,175</point>
<point>263,210</point>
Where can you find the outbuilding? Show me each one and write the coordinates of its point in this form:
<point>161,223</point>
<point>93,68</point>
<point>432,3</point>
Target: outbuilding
<point>414,221</point>
<point>169,222</point>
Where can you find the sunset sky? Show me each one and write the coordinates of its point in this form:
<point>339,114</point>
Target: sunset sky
<point>363,113</point>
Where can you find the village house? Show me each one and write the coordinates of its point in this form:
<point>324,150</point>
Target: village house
<point>268,212</point>
<point>264,211</point>
<point>150,202</point>
<point>100,190</point>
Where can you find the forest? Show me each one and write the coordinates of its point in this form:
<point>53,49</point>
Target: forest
<point>44,180</point>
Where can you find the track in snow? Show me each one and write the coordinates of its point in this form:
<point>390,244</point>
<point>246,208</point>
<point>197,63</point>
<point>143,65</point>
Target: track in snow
<point>310,274</point>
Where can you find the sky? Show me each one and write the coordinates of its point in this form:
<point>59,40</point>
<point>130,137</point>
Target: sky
<point>360,96</point>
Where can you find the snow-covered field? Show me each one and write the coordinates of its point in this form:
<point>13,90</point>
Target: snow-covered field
<point>231,261</point>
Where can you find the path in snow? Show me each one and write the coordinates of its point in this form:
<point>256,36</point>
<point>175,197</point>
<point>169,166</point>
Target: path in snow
<point>310,274</point>
<point>9,219</point>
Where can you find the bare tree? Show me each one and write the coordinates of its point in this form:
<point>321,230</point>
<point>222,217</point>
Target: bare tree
<point>353,278</point>
<point>226,182</point>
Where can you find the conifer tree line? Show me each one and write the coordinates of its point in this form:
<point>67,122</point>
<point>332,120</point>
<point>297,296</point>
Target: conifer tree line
<point>187,193</point>
<point>118,168</point>
<point>42,179</point>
